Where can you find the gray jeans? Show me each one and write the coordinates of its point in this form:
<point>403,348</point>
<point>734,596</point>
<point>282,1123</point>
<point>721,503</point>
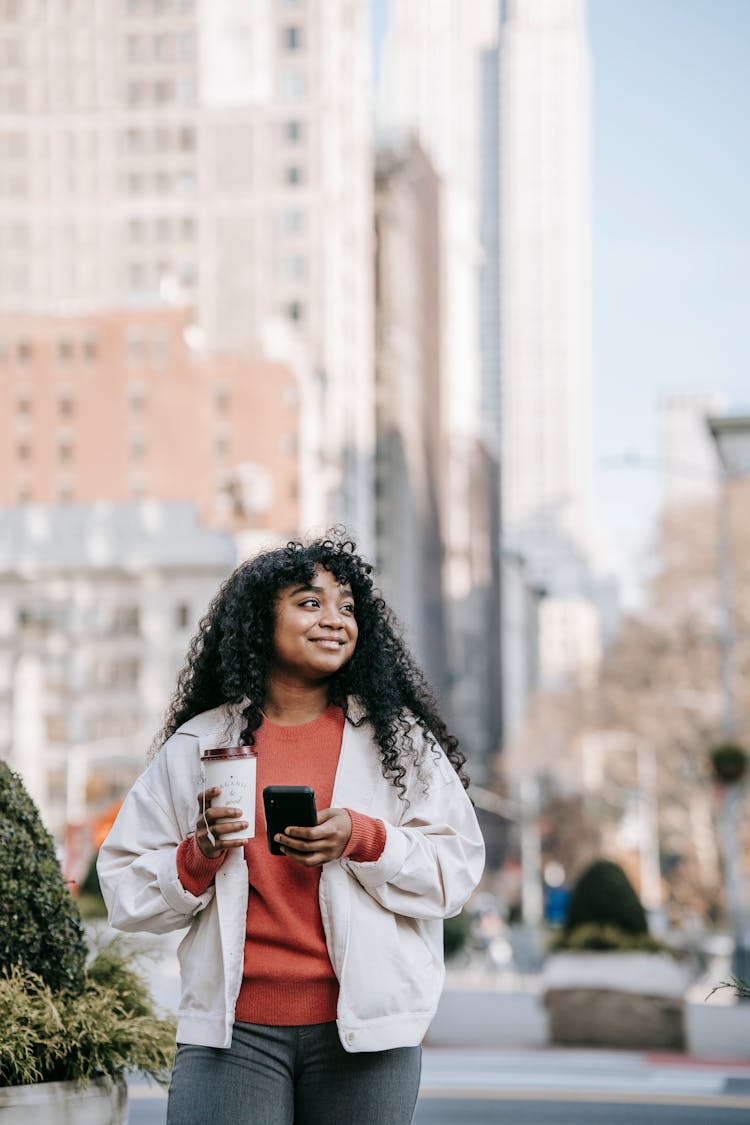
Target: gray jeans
<point>292,1076</point>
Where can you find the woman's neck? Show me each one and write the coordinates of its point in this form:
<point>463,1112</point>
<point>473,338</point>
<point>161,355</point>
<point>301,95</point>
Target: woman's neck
<point>292,704</point>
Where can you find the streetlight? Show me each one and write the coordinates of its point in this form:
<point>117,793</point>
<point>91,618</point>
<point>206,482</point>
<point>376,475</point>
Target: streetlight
<point>731,434</point>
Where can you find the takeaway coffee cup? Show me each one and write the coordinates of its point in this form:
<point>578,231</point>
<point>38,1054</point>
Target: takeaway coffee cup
<point>232,769</point>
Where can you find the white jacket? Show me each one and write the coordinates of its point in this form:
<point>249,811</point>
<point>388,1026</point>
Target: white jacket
<point>382,920</point>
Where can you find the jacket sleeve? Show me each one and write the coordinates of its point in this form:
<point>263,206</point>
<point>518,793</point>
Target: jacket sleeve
<point>434,858</point>
<point>137,863</point>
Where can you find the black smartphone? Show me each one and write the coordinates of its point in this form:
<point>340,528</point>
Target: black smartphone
<point>287,806</point>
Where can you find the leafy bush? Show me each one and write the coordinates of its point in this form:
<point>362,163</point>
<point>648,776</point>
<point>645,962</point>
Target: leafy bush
<point>110,1027</point>
<point>728,762</point>
<point>40,927</point>
<point>593,935</point>
<point>455,934</point>
<point>604,912</point>
<point>59,1020</point>
<point>604,896</point>
<point>90,899</point>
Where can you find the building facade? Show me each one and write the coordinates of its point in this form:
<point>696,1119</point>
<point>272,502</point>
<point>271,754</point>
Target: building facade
<point>430,90</point>
<point>216,155</point>
<point>119,407</point>
<point>97,606</point>
<point>409,468</point>
<point>540,299</point>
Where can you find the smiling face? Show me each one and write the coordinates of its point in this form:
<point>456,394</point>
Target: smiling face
<point>316,630</point>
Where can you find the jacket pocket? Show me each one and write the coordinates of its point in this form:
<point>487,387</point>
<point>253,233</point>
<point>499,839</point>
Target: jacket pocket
<point>390,967</point>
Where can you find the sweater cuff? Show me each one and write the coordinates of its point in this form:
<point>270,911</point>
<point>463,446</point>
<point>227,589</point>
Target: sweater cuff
<point>195,871</point>
<point>367,840</point>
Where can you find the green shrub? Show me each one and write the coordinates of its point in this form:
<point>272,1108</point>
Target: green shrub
<point>58,1019</point>
<point>455,934</point>
<point>40,926</point>
<point>109,1028</point>
<point>604,896</point>
<point>593,935</point>
<point>91,902</point>
<point>728,762</point>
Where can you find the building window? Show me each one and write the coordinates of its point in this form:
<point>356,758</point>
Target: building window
<point>182,615</point>
<point>293,221</point>
<point>23,451</point>
<point>294,268</point>
<point>134,140</point>
<point>187,139</point>
<point>293,86</point>
<point>185,91</point>
<point>222,400</point>
<point>136,350</point>
<point>292,131</point>
<point>136,278</point>
<point>23,405</point>
<point>65,350</point>
<point>90,349</point>
<point>134,93</point>
<point>65,406</point>
<point>65,451</point>
<point>186,183</point>
<point>126,619</point>
<point>185,46</point>
<point>293,174</point>
<point>294,310</point>
<point>163,92</point>
<point>291,38</point>
<point>24,351</point>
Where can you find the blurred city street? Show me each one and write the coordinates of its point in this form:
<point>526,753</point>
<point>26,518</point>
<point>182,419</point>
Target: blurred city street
<point>536,1087</point>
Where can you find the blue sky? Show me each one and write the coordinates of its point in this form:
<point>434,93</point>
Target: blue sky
<point>671,231</point>
<point>671,226</point>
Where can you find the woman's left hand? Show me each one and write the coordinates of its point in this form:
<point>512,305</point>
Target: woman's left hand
<point>326,841</point>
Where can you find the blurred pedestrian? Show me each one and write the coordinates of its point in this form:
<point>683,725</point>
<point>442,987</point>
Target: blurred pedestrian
<point>308,980</point>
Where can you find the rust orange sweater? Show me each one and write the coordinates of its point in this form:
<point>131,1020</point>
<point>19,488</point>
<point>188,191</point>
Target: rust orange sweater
<point>287,978</point>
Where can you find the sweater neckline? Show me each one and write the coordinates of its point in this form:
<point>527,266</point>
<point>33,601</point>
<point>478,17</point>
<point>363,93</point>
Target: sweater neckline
<point>299,731</point>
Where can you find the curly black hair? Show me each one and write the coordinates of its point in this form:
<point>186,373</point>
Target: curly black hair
<point>229,657</point>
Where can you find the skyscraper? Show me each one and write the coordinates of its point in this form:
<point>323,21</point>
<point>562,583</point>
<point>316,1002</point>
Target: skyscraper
<point>540,300</point>
<point>544,282</point>
<point>430,89</point>
<point>213,154</point>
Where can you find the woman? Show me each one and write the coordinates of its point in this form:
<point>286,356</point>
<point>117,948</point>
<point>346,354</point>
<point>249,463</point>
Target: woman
<point>308,980</point>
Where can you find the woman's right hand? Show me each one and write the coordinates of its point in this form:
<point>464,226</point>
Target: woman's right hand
<point>218,821</point>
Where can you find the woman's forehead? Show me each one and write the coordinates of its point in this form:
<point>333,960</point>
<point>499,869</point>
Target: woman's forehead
<point>319,577</point>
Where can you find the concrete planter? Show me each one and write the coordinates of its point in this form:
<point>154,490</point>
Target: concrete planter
<point>102,1102</point>
<point>612,999</point>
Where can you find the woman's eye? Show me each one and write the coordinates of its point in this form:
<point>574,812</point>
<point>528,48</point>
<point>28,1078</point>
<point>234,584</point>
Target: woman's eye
<point>348,608</point>
<point>310,601</point>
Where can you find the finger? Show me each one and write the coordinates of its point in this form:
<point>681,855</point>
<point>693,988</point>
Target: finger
<point>296,842</point>
<point>312,859</point>
<point>207,795</point>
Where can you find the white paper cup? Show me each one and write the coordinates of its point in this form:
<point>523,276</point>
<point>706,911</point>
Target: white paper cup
<point>232,769</point>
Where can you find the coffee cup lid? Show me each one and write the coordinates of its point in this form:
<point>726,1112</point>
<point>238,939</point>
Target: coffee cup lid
<point>227,753</point>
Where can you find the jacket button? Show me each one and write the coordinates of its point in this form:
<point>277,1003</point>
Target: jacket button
<point>350,1037</point>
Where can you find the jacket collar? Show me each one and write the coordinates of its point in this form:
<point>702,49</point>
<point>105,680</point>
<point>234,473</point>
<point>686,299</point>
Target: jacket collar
<point>223,721</point>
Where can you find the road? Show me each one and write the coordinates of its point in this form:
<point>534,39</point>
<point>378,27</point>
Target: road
<point>554,1087</point>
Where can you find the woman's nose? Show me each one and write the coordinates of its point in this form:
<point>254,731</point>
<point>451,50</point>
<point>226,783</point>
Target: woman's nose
<point>331,616</point>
